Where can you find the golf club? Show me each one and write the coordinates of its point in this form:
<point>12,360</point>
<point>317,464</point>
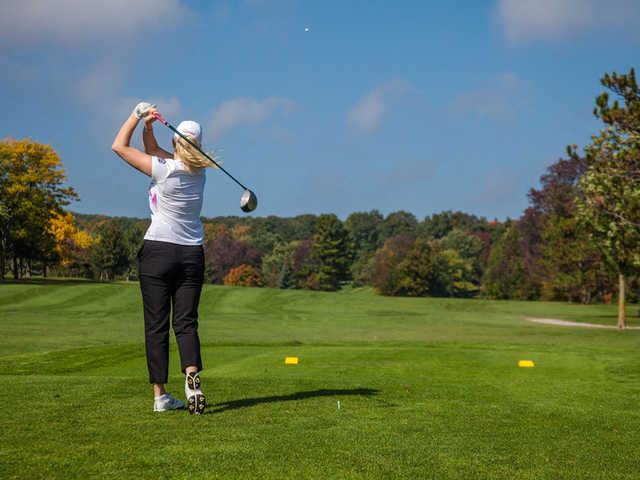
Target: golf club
<point>248,201</point>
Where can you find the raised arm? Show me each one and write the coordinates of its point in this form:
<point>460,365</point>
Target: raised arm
<point>149,140</point>
<point>121,144</point>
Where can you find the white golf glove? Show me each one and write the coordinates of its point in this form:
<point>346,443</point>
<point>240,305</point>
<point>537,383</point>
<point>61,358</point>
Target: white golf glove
<point>142,108</point>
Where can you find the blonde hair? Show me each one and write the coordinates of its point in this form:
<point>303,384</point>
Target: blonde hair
<point>191,157</point>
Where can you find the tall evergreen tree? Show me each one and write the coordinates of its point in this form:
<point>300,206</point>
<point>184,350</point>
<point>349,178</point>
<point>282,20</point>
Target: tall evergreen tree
<point>332,254</point>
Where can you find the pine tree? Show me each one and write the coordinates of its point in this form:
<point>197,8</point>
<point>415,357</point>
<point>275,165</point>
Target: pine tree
<point>332,254</point>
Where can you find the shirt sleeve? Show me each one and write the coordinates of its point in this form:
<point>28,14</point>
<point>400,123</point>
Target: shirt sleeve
<point>161,168</point>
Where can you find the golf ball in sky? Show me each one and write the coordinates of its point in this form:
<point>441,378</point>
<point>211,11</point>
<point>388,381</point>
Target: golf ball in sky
<point>306,29</point>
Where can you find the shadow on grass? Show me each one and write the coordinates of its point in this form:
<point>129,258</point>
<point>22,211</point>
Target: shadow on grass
<point>251,402</point>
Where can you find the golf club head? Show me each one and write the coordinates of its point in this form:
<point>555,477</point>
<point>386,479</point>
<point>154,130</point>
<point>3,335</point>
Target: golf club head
<point>249,201</point>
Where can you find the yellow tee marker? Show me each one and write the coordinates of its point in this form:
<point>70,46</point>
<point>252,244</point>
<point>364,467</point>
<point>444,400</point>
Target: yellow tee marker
<point>291,360</point>
<point>526,363</point>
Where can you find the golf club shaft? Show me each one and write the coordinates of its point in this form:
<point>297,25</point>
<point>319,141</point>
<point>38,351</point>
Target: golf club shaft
<point>175,130</point>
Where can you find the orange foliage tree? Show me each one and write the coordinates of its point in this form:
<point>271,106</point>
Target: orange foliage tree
<point>244,276</point>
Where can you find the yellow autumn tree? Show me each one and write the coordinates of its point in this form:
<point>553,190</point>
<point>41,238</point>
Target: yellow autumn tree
<point>214,230</point>
<point>240,232</point>
<point>32,190</point>
<point>71,242</point>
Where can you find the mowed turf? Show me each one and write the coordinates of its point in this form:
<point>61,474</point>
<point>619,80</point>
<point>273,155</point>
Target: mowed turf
<point>427,388</point>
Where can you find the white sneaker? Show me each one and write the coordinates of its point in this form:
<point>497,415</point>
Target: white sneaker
<point>166,402</point>
<point>196,401</point>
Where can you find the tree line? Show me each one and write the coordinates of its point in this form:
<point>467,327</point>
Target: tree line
<point>577,241</point>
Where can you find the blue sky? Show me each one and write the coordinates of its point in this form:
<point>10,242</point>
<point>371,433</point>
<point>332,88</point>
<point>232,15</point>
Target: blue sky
<point>410,105</point>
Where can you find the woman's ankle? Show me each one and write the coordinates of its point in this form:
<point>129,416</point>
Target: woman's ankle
<point>158,390</point>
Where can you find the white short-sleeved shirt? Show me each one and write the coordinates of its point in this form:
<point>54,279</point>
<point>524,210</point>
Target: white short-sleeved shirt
<point>175,200</point>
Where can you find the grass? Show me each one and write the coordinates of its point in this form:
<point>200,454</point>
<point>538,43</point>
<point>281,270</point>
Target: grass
<point>428,388</point>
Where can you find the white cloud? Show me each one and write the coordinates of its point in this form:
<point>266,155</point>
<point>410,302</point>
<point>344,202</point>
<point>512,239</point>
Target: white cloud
<point>367,114</point>
<point>245,111</point>
<point>99,89</point>
<point>498,101</point>
<point>75,22</point>
<point>524,21</point>
<point>169,107</point>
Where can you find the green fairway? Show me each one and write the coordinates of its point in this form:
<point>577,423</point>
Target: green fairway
<point>427,388</point>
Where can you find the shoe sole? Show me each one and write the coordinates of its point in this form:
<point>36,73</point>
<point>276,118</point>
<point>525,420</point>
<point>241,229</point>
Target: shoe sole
<point>193,382</point>
<point>196,404</point>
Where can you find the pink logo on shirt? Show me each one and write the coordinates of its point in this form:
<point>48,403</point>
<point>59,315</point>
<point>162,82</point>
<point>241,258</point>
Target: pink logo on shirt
<point>154,199</point>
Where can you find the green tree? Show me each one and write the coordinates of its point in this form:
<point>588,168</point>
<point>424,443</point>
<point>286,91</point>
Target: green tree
<point>331,255</point>
<point>303,264</point>
<point>386,274</point>
<point>609,205</point>
<point>469,247</point>
<point>398,223</point>
<point>4,235</point>
<point>132,235</point>
<point>454,275</point>
<point>364,228</point>
<point>625,116</point>
<point>302,226</point>
<point>573,265</point>
<point>277,267</point>
<point>419,267</point>
<point>507,275</point>
<point>362,269</point>
<point>609,200</point>
<point>110,255</point>
<point>264,241</point>
<point>416,272</point>
<point>440,224</point>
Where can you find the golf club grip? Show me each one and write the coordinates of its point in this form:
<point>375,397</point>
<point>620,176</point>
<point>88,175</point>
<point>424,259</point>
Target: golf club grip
<point>175,130</point>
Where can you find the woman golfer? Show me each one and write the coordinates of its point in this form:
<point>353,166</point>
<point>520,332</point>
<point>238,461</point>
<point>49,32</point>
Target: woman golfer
<point>171,260</point>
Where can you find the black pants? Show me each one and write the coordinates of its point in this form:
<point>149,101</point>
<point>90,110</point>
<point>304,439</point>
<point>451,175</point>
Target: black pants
<point>171,276</point>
